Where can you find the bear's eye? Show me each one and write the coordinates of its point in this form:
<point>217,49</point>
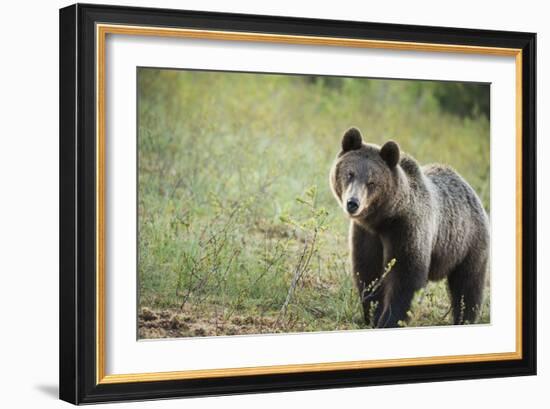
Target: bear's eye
<point>350,175</point>
<point>370,185</point>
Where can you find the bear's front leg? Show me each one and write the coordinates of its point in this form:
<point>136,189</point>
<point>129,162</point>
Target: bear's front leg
<point>408,274</point>
<point>366,262</point>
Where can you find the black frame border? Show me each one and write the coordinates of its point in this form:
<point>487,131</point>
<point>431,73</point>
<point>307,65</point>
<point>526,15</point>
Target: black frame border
<point>78,197</point>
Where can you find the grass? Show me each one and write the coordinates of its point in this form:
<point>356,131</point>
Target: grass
<point>238,230</point>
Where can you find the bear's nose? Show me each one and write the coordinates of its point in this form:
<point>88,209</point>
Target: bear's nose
<point>352,205</point>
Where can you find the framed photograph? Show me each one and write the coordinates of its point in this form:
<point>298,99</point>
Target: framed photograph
<point>257,203</point>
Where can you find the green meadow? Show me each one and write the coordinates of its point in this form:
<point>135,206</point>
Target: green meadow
<point>238,230</point>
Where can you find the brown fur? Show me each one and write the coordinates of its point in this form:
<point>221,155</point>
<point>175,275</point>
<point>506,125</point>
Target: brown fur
<point>426,218</point>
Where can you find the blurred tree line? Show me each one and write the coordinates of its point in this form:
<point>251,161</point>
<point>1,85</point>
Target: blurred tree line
<point>463,99</point>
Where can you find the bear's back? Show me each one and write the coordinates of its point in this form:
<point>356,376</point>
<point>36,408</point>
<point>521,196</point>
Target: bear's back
<point>452,189</point>
<point>461,220</point>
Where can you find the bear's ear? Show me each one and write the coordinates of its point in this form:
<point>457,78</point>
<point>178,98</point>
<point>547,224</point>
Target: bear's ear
<point>390,153</point>
<point>352,140</point>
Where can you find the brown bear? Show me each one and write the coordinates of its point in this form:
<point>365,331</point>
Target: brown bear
<point>426,223</point>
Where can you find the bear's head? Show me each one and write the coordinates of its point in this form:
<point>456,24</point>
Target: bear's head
<point>364,176</point>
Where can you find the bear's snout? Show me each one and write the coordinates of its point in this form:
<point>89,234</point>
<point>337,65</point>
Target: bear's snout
<point>352,205</point>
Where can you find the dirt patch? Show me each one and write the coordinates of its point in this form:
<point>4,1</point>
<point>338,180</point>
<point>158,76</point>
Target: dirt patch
<point>178,324</point>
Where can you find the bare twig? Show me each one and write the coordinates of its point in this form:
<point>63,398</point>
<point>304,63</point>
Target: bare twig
<point>301,267</point>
